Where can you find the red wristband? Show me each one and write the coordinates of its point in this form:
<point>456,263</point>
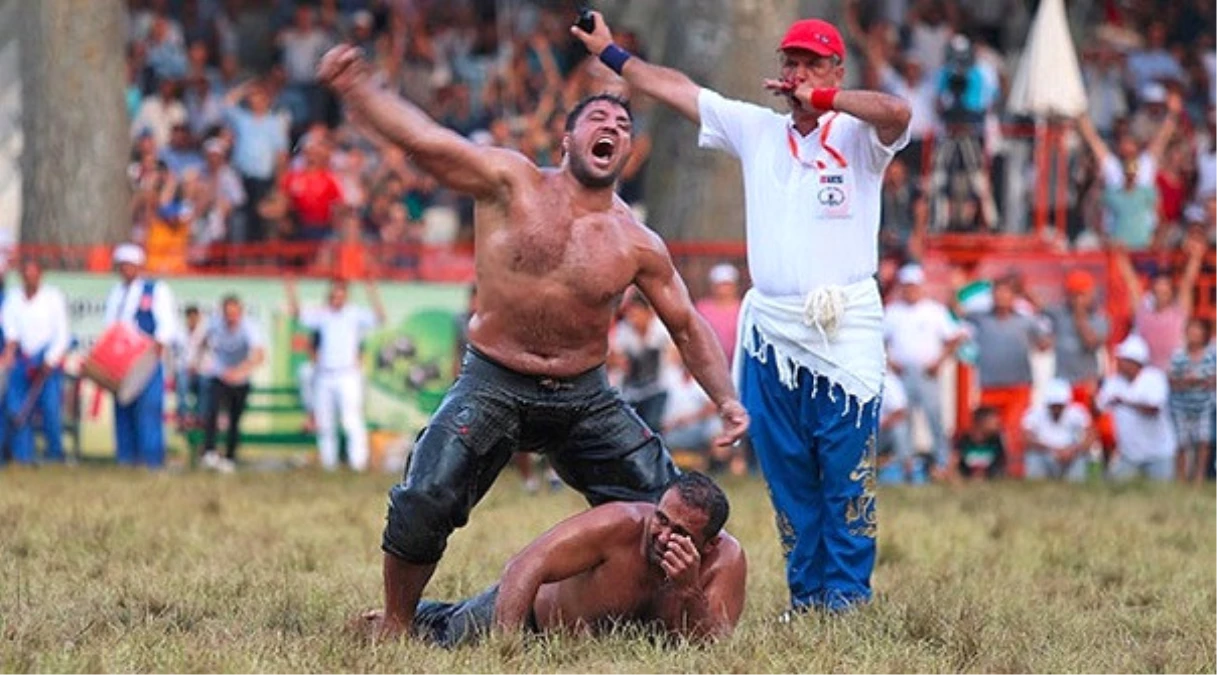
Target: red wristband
<point>823,99</point>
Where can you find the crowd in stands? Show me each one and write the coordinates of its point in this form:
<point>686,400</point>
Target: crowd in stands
<point>235,142</point>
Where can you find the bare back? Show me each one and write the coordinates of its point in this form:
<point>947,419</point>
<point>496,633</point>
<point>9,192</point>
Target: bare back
<point>624,586</point>
<point>550,275</point>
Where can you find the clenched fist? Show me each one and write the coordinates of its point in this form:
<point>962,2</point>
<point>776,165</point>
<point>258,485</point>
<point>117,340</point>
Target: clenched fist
<point>342,68</point>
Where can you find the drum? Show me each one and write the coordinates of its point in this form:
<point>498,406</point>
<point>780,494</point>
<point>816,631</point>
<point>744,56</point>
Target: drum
<point>123,361</point>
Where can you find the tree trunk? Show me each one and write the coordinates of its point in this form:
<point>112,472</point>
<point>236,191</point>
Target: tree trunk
<point>74,186</point>
<point>729,46</point>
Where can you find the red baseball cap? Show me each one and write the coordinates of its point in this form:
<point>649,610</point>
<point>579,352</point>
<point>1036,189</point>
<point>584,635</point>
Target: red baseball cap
<point>814,35</point>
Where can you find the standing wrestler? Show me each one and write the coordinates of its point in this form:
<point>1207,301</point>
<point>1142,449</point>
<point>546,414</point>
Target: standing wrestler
<point>811,333</point>
<point>555,251</point>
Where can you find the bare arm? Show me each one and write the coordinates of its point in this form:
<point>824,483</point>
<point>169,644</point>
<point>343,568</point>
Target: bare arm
<point>1097,147</point>
<point>1157,145</point>
<point>378,307</point>
<point>888,114</point>
<point>661,284</point>
<point>293,298</point>
<point>1191,272</point>
<point>1086,331</point>
<point>1129,275</point>
<point>573,546</point>
<point>441,152</point>
<point>667,85</point>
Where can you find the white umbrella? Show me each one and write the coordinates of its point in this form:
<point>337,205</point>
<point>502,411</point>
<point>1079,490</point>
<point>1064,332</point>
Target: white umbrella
<point>1048,81</point>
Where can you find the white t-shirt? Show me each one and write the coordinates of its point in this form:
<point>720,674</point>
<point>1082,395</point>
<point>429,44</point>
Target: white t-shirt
<point>1140,438</point>
<point>915,334</point>
<point>38,323</point>
<point>810,221</point>
<point>1061,433</point>
<point>341,332</point>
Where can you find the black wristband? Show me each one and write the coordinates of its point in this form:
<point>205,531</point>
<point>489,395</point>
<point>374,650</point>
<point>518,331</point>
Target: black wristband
<point>614,57</point>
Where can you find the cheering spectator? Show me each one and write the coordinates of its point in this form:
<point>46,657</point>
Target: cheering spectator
<point>1160,316</point>
<point>1193,376</point>
<point>1058,435</point>
<point>1137,396</point>
<point>259,152</point>
<point>721,307</point>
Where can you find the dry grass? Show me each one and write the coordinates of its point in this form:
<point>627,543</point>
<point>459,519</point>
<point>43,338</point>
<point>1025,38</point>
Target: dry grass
<point>105,570</point>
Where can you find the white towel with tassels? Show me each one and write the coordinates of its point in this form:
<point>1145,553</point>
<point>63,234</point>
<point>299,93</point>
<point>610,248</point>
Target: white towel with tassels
<point>835,332</point>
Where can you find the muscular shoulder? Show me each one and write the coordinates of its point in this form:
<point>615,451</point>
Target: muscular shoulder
<point>728,555</point>
<point>624,518</point>
<point>512,168</point>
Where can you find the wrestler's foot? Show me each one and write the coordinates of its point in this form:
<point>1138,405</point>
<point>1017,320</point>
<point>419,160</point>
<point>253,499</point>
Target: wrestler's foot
<point>374,625</point>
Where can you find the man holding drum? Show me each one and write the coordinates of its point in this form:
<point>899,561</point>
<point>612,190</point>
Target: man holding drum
<point>35,319</point>
<point>146,304</point>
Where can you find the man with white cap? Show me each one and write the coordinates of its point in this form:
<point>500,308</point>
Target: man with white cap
<point>811,365</point>
<point>1058,436</point>
<point>721,307</point>
<point>920,336</point>
<point>147,304</point>
<point>1137,395</point>
<point>35,319</point>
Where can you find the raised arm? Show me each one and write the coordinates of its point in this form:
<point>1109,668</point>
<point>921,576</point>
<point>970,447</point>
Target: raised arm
<point>661,284</point>
<point>293,297</point>
<point>573,546</point>
<point>1124,266</point>
<point>1097,147</point>
<point>667,85</point>
<point>1166,130</point>
<point>378,307</point>
<point>455,162</point>
<point>1191,272</point>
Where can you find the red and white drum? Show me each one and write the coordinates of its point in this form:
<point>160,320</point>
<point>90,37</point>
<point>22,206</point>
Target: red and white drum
<point>123,361</point>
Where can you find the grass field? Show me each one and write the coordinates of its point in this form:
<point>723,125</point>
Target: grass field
<point>106,570</point>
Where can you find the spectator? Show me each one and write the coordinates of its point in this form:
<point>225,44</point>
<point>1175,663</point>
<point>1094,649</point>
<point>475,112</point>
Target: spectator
<point>166,50</point>
<point>259,153</point>
<point>721,307</point>
<point>1005,339</point>
<point>964,97</point>
<point>905,213</point>
<point>1154,62</point>
<point>181,154</point>
<point>204,106</point>
<point>236,346</point>
<point>980,452</point>
<point>190,360</point>
<point>226,187</point>
<point>1079,331</point>
<point>314,193</point>
<point>689,423</point>
<point>921,336</point>
<point>894,447</point>
<point>159,113</point>
<point>35,320</point>
<point>1137,396</point>
<point>1193,376</point>
<point>639,347</point>
<point>338,379</point>
<point>1161,315</point>
<point>302,46</point>
<point>1103,76</point>
<point>1172,184</point>
<point>912,83</point>
<point>1059,436</point>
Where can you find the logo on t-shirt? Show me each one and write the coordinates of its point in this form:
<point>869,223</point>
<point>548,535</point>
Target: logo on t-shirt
<point>831,196</point>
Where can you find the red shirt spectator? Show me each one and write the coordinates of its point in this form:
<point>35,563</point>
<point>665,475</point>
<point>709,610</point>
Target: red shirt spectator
<point>313,192</point>
<point>721,307</point>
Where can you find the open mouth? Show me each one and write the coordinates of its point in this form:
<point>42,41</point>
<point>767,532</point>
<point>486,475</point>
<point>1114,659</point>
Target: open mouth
<point>603,149</point>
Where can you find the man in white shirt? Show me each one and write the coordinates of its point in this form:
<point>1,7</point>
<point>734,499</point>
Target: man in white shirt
<point>810,355</point>
<point>920,336</point>
<point>148,304</point>
<point>1058,436</point>
<point>35,319</point>
<point>338,380</point>
<point>1137,396</point>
